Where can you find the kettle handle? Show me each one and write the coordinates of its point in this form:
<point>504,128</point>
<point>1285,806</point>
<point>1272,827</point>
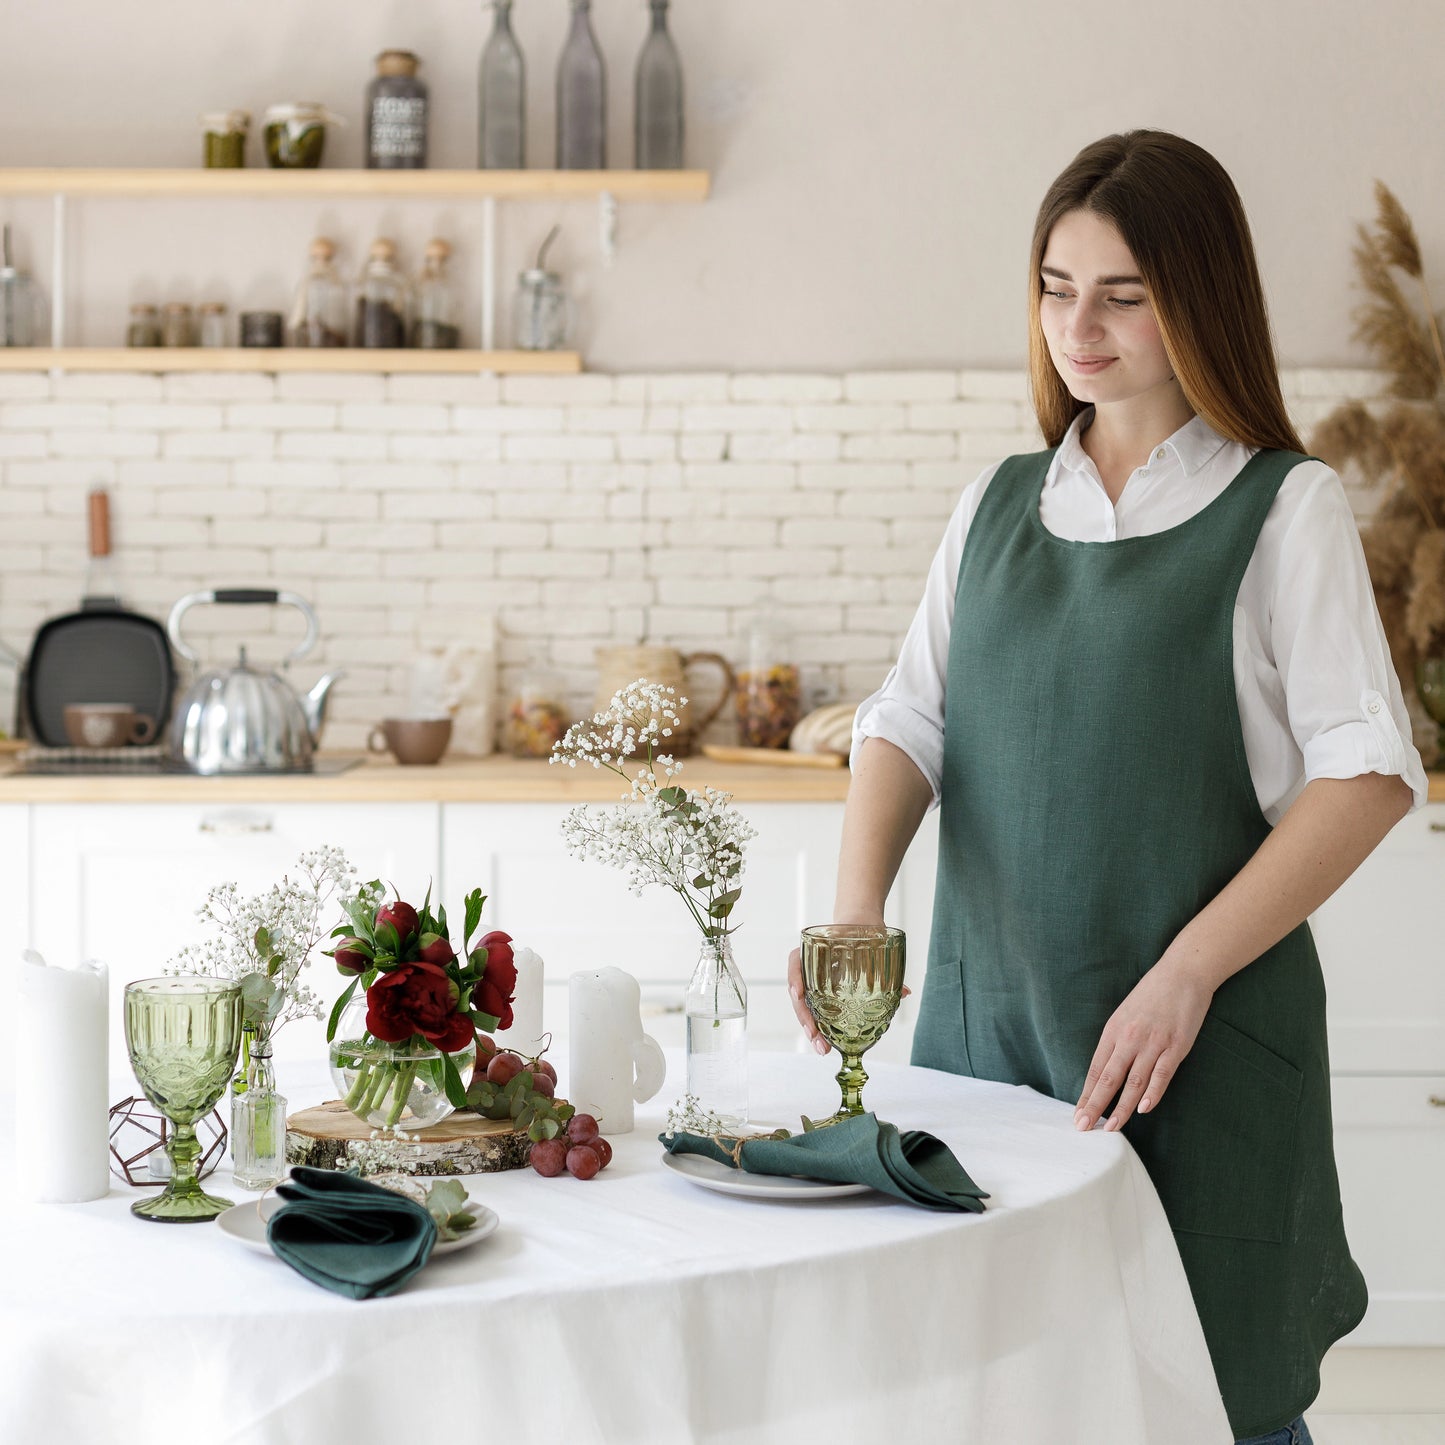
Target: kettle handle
<point>243,596</point>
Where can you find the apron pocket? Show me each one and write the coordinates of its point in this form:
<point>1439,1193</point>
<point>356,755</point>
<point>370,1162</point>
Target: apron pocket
<point>938,1037</point>
<point>1220,1146</point>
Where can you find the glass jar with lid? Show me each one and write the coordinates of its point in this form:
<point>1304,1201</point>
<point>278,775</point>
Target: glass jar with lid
<point>145,326</point>
<point>769,698</point>
<point>435,313</point>
<point>177,325</point>
<point>396,114</point>
<point>212,324</point>
<point>295,134</point>
<point>225,138</point>
<point>318,315</point>
<point>381,300</point>
<point>536,713</point>
<point>541,312</point>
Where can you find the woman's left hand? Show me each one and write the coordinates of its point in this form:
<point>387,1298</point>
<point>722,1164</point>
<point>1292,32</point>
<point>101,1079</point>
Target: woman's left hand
<point>1143,1044</point>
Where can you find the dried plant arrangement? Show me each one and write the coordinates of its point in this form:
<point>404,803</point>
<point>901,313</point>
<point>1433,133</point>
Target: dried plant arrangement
<point>1398,442</point>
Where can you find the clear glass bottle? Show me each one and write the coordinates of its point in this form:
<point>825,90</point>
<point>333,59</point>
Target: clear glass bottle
<point>318,314</point>
<point>716,1010</point>
<point>381,300</point>
<point>657,112</point>
<point>212,325</point>
<point>19,302</point>
<point>396,114</point>
<point>145,326</point>
<point>258,1117</point>
<point>502,86</point>
<point>769,695</point>
<point>177,325</point>
<point>581,97</point>
<point>541,314</point>
<point>436,312</point>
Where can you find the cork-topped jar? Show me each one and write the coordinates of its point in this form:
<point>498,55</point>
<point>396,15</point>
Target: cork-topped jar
<point>381,299</point>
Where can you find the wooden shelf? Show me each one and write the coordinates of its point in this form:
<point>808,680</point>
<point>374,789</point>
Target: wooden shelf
<point>197,358</point>
<point>513,185</point>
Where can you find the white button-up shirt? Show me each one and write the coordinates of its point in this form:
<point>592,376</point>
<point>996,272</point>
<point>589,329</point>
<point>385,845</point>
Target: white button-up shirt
<point>1318,696</point>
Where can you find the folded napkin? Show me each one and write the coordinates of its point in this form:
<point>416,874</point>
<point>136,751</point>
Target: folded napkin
<point>913,1166</point>
<point>349,1236</point>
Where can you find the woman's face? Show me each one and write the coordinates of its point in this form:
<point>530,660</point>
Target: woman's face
<point>1096,317</point>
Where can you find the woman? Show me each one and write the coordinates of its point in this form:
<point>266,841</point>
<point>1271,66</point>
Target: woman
<point>1148,689</point>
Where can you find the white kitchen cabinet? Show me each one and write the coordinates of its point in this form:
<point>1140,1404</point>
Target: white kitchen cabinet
<point>15,867</point>
<point>122,882</point>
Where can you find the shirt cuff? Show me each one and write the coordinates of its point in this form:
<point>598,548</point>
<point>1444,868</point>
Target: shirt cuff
<point>1371,744</point>
<point>909,731</point>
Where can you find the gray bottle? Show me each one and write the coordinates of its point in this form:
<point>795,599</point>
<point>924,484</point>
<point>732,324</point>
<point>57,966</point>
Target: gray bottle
<point>657,115</point>
<point>503,91</point>
<point>581,97</point>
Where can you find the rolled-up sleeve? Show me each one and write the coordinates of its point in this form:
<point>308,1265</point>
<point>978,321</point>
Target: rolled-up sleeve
<point>1346,708</point>
<point>908,710</point>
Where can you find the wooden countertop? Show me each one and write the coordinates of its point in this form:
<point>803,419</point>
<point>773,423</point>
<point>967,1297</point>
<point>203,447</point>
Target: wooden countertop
<point>461,780</point>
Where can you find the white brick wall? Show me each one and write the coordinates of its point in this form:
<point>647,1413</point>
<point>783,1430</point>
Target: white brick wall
<point>573,511</point>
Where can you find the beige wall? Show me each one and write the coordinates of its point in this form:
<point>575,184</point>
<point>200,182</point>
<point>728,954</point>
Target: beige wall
<point>876,166</point>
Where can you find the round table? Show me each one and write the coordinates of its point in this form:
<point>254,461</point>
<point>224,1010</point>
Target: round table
<point>639,1307</point>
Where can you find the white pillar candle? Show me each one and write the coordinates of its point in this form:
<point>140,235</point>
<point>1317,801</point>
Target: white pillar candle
<point>525,1035</point>
<point>62,1110</point>
<point>610,1061</point>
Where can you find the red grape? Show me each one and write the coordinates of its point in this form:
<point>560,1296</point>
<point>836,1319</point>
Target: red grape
<point>582,1161</point>
<point>503,1068</point>
<point>602,1149</point>
<point>541,1066</point>
<point>541,1084</point>
<point>582,1128</point>
<point>549,1157</point>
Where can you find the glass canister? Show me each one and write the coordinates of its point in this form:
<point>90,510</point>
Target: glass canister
<point>212,324</point>
<point>225,138</point>
<point>295,134</point>
<point>536,715</point>
<point>261,328</point>
<point>177,325</point>
<point>396,114</point>
<point>769,697</point>
<point>657,111</point>
<point>318,314</point>
<point>581,97</point>
<point>145,326</point>
<point>381,300</point>
<point>502,85</point>
<point>20,315</point>
<point>435,314</point>
<point>541,312</point>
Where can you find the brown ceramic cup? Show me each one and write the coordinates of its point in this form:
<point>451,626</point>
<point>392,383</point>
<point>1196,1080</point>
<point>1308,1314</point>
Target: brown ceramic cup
<point>106,725</point>
<point>412,739</point>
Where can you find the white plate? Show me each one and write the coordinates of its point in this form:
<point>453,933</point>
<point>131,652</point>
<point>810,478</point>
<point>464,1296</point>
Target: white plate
<point>699,1169</point>
<point>247,1225</point>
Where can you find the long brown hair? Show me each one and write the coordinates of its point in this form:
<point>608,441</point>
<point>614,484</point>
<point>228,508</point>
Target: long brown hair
<point>1184,224</point>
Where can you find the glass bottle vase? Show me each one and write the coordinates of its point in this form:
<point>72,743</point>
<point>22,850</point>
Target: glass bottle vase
<point>657,112</point>
<point>716,1010</point>
<point>258,1118</point>
<point>581,97</point>
<point>502,108</point>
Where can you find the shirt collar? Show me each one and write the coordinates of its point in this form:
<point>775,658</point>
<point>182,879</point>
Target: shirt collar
<point>1193,445</point>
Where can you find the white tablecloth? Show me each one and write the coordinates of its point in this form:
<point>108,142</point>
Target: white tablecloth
<point>640,1308</point>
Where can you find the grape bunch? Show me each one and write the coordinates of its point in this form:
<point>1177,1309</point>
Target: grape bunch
<point>507,1086</point>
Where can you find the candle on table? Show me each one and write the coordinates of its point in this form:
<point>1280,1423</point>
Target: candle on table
<point>525,1035</point>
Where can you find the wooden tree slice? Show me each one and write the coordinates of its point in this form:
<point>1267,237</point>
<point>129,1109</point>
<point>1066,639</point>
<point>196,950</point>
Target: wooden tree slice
<point>330,1136</point>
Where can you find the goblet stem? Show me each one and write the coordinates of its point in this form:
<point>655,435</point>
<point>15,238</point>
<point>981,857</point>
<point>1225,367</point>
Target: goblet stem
<point>183,1201</point>
<point>851,1079</point>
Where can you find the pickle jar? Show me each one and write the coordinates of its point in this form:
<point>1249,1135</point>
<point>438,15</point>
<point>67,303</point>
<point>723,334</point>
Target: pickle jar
<point>318,315</point>
<point>295,134</point>
<point>225,138</point>
<point>177,325</point>
<point>769,698</point>
<point>434,319</point>
<point>381,300</point>
<point>536,716</point>
<point>145,326</point>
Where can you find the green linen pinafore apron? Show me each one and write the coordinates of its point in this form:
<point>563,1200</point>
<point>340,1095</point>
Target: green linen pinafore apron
<point>1095,797</point>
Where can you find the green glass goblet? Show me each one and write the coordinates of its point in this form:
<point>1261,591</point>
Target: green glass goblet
<point>853,983</point>
<point>183,1035</point>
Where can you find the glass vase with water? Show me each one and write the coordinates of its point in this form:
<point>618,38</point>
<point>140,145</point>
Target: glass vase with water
<point>716,1009</point>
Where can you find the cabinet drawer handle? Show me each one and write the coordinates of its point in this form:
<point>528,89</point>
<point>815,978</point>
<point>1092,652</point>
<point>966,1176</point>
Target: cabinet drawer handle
<point>234,824</point>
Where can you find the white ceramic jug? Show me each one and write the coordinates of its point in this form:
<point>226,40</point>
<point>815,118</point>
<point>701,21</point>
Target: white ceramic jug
<point>611,1062</point>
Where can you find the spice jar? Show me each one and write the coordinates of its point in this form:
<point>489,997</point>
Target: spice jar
<point>295,134</point>
<point>540,312</point>
<point>434,321</point>
<point>536,717</point>
<point>20,313</point>
<point>225,138</point>
<point>260,328</point>
<point>318,315</point>
<point>145,326</point>
<point>769,698</point>
<point>177,328</point>
<point>396,106</point>
<point>381,300</point>
<point>211,325</point>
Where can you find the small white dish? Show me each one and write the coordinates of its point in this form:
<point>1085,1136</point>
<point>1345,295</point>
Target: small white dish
<point>698,1169</point>
<point>246,1224</point>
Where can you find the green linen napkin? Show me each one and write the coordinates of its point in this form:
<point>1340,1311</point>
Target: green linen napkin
<point>913,1166</point>
<point>349,1236</point>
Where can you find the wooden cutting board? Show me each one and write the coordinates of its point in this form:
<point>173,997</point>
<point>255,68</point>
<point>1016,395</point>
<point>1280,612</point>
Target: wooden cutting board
<point>783,757</point>
<point>330,1136</point>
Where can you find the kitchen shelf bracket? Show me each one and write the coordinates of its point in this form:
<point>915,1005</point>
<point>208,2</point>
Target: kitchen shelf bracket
<point>57,276</point>
<point>607,226</point>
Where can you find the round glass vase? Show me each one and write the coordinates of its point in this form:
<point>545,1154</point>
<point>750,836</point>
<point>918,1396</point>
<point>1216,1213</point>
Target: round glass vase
<point>716,1009</point>
<point>258,1117</point>
<point>395,1087</point>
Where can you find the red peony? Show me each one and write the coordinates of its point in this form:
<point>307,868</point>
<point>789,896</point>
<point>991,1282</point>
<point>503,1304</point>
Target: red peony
<point>417,998</point>
<point>494,993</point>
<point>401,916</point>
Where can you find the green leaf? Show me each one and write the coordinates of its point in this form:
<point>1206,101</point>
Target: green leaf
<point>387,940</point>
<point>524,1119</point>
<point>702,882</point>
<point>442,923</point>
<point>263,942</point>
<point>515,1108</point>
<point>474,901</point>
<point>455,1090</point>
<point>337,1009</point>
<point>486,1022</point>
<point>722,905</point>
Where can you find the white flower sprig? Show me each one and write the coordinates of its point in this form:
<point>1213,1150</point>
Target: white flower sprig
<point>692,842</point>
<point>265,942</point>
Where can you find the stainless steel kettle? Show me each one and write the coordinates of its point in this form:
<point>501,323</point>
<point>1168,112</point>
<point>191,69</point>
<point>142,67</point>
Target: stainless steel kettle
<point>239,720</point>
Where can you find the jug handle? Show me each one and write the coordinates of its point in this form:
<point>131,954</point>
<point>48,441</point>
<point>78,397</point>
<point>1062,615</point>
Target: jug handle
<point>697,726</point>
<point>649,1067</point>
